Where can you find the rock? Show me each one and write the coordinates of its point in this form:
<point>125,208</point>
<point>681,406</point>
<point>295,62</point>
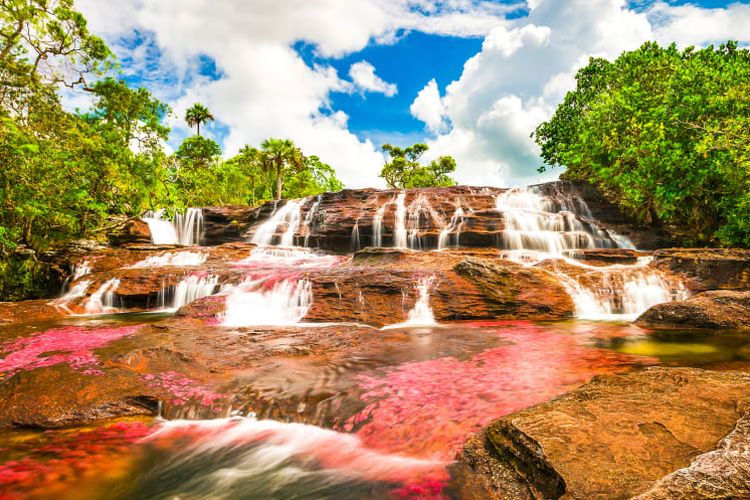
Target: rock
<point>622,435</point>
<point>226,224</point>
<point>131,231</point>
<point>29,311</point>
<point>609,256</point>
<point>710,268</point>
<point>717,309</point>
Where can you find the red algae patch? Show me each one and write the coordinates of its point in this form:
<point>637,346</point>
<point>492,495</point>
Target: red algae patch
<point>427,409</point>
<point>184,389</point>
<point>72,463</point>
<point>72,345</point>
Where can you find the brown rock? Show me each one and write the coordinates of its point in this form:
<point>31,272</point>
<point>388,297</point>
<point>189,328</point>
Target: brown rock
<point>619,435</point>
<point>132,231</point>
<point>716,309</point>
<point>710,268</point>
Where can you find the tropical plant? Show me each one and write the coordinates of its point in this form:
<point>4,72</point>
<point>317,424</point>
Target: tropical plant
<point>196,115</point>
<point>404,170</point>
<point>282,158</point>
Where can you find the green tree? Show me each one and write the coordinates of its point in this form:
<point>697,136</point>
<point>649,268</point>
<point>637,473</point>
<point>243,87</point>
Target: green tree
<point>404,170</point>
<point>665,134</point>
<point>281,158</point>
<point>197,114</point>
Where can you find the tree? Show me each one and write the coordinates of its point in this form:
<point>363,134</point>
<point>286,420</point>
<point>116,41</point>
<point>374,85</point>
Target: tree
<point>664,133</point>
<point>197,114</point>
<point>282,158</point>
<point>404,171</point>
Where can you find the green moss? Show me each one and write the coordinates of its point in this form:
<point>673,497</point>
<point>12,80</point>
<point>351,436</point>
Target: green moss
<point>24,278</point>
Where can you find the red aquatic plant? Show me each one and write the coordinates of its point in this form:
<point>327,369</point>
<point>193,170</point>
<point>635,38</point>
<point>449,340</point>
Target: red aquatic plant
<point>184,389</point>
<point>72,345</point>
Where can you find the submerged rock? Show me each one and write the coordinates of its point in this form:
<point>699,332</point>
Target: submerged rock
<point>715,309</point>
<point>623,435</point>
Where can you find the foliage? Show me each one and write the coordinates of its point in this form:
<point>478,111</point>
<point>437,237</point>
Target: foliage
<point>667,134</point>
<point>197,114</point>
<point>404,171</point>
<point>281,158</point>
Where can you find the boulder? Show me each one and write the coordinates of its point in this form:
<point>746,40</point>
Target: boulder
<point>620,436</point>
<point>130,231</point>
<point>718,309</point>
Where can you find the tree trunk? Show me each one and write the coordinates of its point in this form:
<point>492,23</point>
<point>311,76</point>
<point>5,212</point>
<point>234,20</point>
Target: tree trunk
<point>199,127</point>
<point>278,183</point>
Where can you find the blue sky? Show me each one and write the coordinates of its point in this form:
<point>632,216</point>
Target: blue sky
<point>341,78</point>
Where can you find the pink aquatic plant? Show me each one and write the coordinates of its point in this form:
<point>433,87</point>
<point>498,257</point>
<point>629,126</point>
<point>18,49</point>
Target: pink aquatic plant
<point>184,389</point>
<point>72,345</point>
<point>428,409</point>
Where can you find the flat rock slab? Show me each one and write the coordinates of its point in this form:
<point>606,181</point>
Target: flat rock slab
<point>624,435</point>
<point>716,309</point>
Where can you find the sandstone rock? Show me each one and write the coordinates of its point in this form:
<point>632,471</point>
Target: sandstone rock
<point>717,309</point>
<point>226,224</point>
<point>131,231</point>
<point>29,311</point>
<point>622,435</point>
<point>710,268</point>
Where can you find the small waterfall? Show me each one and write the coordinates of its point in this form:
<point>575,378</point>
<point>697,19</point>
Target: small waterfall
<point>177,259</point>
<point>287,218</point>
<point>421,314</point>
<point>103,299</point>
<point>377,226</point>
<point>80,270</point>
<point>399,229</point>
<point>163,232</point>
<point>310,220</point>
<point>453,227</point>
<point>620,292</point>
<point>189,226</point>
<point>355,245</point>
<point>185,229</point>
<point>537,227</point>
<point>265,302</point>
<point>193,288</point>
<point>76,292</point>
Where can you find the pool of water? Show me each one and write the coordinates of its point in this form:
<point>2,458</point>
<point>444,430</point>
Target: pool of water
<point>398,405</point>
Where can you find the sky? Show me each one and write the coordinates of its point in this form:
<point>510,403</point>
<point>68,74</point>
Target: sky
<point>470,78</point>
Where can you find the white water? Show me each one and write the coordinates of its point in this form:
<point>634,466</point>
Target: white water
<point>296,258</point>
<point>177,259</point>
<point>287,218</point>
<point>80,270</point>
<point>103,299</point>
<point>399,229</point>
<point>193,288</point>
<point>309,219</point>
<point>260,303</point>
<point>421,314</point>
<point>185,229</point>
<point>355,245</point>
<point>76,292</point>
<point>377,226</point>
<point>453,228</point>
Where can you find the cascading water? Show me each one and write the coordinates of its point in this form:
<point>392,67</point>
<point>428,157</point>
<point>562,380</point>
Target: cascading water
<point>377,226</point>
<point>77,291</point>
<point>399,229</point>
<point>355,244</point>
<point>103,299</point>
<point>287,218</point>
<point>421,314</point>
<point>185,229</point>
<point>310,220</point>
<point>193,288</point>
<point>177,259</point>
<point>453,228</point>
<point>80,270</point>
<point>267,302</point>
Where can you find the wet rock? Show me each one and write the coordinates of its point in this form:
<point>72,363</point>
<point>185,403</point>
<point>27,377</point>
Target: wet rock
<point>132,230</point>
<point>624,435</point>
<point>29,311</point>
<point>609,256</point>
<point>716,309</point>
<point>710,268</point>
<point>226,224</point>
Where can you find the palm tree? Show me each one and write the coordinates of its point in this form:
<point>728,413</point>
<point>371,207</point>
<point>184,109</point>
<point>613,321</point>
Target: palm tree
<point>197,114</point>
<point>281,156</point>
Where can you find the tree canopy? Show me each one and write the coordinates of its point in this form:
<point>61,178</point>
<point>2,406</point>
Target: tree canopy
<point>666,134</point>
<point>196,115</point>
<point>403,170</point>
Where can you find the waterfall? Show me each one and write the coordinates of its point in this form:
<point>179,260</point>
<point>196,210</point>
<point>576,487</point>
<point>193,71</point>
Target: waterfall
<point>377,226</point>
<point>535,228</point>
<point>287,218</point>
<point>620,292</point>
<point>103,299</point>
<point>80,270</point>
<point>453,227</point>
<point>76,292</point>
<point>185,229</point>
<point>399,229</point>
<point>178,259</point>
<point>421,314</point>
<point>265,302</point>
<point>355,245</point>
<point>310,219</point>
<point>193,288</point>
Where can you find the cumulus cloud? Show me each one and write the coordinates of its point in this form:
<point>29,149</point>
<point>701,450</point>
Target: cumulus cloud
<point>364,79</point>
<point>428,107</point>
<point>526,66</point>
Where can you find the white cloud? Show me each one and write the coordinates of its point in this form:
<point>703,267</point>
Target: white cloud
<point>526,67</point>
<point>428,107</point>
<point>364,79</point>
